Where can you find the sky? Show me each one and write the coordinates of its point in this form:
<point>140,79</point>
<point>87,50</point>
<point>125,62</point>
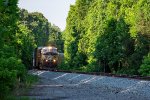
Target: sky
<point>56,11</point>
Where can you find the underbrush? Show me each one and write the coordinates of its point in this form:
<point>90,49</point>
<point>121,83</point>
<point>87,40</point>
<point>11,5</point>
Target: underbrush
<point>13,74</point>
<point>17,93</point>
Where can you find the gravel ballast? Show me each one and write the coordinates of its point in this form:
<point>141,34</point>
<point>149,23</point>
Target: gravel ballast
<point>72,86</point>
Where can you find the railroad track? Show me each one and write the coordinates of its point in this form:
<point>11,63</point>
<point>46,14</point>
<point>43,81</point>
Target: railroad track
<point>105,74</point>
<point>110,75</point>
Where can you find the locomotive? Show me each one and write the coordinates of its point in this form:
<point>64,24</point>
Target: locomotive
<point>46,57</point>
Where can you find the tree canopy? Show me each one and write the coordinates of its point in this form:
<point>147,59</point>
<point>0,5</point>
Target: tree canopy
<point>107,35</point>
<point>20,33</point>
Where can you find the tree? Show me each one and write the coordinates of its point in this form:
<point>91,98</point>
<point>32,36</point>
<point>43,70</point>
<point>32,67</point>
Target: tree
<point>25,44</point>
<point>109,33</point>
<point>55,38</point>
<point>11,67</point>
<point>38,25</point>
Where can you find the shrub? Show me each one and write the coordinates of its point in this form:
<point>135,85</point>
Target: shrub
<point>145,67</point>
<point>128,71</point>
<point>11,70</point>
<point>7,81</point>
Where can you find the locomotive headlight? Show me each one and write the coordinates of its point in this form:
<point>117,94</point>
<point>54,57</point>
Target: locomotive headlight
<point>46,60</point>
<point>50,47</point>
<point>54,60</point>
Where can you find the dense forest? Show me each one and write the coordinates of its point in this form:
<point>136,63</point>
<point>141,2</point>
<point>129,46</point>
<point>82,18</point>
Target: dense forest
<point>101,36</point>
<point>20,33</point>
<point>110,36</point>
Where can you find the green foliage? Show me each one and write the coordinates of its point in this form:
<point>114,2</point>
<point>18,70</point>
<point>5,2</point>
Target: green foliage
<point>63,66</point>
<point>40,30</point>
<point>30,79</point>
<point>114,50</point>
<point>128,71</point>
<point>141,49</point>
<point>145,67</point>
<point>107,35</point>
<point>9,16</point>
<point>11,71</point>
<point>20,33</point>
<point>55,38</point>
<point>7,81</point>
<point>7,51</point>
<point>34,30</point>
<point>25,44</point>
<point>37,24</point>
<point>13,63</point>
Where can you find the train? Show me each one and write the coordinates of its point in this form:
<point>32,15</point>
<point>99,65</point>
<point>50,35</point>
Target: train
<point>46,57</point>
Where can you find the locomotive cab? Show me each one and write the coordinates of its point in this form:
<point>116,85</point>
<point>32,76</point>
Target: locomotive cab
<point>46,57</point>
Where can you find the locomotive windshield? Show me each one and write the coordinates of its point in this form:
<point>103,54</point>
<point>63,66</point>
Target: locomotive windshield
<point>49,50</point>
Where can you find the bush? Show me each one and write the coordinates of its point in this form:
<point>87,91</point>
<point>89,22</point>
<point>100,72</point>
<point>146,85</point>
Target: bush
<point>63,66</point>
<point>7,81</point>
<point>30,79</point>
<point>12,71</point>
<point>13,64</point>
<point>145,67</point>
<point>128,71</point>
